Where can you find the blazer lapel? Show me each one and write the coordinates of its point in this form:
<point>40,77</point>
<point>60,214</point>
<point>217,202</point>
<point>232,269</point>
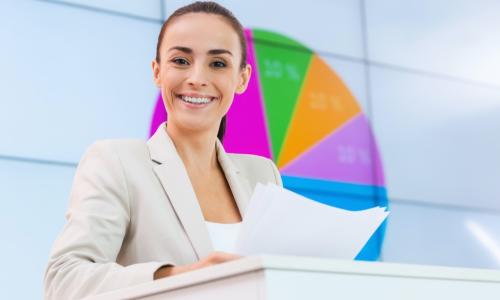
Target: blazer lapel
<point>173,176</point>
<point>239,185</point>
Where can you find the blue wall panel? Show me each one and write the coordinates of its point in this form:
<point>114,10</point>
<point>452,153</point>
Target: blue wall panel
<point>70,76</point>
<point>438,138</point>
<point>457,38</point>
<point>332,26</point>
<point>442,235</point>
<point>34,199</point>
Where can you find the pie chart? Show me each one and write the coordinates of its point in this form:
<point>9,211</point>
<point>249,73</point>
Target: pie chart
<point>298,112</point>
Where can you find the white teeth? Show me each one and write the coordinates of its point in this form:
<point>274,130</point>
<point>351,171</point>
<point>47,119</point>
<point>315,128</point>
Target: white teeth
<point>195,100</point>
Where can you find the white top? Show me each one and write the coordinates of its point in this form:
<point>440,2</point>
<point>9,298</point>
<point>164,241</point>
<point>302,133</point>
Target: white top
<point>223,236</point>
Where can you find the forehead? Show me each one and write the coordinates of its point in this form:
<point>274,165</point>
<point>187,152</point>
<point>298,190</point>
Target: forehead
<point>200,31</point>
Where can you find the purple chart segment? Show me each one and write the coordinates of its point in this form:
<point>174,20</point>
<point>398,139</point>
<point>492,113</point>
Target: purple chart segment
<point>246,130</point>
<point>347,155</point>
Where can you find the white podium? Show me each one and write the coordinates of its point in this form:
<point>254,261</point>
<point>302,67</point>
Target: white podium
<point>270,277</point>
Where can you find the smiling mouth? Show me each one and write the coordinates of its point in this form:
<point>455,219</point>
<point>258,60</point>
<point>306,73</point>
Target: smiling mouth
<point>198,100</point>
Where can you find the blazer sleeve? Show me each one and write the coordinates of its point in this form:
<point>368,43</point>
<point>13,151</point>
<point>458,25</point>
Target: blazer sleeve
<point>83,259</point>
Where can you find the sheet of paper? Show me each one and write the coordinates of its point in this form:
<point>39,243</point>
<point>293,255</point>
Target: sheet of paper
<point>280,222</point>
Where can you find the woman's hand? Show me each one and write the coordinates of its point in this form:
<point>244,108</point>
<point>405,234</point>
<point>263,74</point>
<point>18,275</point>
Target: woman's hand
<point>213,258</point>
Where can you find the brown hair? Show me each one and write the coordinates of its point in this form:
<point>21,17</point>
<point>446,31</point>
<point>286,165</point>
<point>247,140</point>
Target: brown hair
<point>209,7</point>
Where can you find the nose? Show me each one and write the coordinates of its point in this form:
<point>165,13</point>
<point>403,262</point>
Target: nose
<point>197,77</point>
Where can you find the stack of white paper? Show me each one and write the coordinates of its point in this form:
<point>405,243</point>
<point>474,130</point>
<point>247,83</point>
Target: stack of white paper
<point>280,222</point>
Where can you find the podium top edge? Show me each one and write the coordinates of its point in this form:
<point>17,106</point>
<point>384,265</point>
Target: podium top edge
<point>309,264</point>
<point>253,264</point>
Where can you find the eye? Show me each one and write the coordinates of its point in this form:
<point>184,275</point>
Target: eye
<point>180,61</point>
<point>218,64</point>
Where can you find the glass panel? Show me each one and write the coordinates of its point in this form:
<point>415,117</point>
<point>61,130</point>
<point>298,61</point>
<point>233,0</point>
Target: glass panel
<point>34,201</point>
<point>145,8</point>
<point>433,235</point>
<point>326,25</point>
<point>438,138</point>
<point>453,37</point>
<point>71,76</point>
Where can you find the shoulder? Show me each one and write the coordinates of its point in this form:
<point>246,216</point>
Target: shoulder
<point>114,156</point>
<point>249,161</point>
<point>256,168</point>
<point>122,149</point>
<point>119,146</point>
<point>111,165</point>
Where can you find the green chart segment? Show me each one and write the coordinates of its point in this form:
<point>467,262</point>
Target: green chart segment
<point>282,67</point>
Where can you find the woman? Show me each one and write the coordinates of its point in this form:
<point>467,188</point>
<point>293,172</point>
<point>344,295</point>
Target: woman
<point>139,211</point>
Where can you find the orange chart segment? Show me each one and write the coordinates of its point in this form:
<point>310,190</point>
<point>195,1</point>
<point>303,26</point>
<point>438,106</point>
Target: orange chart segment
<point>324,104</point>
<point>282,68</point>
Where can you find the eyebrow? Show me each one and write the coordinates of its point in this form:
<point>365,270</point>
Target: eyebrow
<point>219,51</point>
<point>211,52</point>
<point>182,49</point>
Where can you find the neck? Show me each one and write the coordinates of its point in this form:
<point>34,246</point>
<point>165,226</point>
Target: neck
<point>196,149</point>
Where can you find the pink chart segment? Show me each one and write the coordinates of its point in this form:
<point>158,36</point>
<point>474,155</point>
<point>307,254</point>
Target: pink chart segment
<point>351,154</point>
<point>246,130</point>
<point>159,116</point>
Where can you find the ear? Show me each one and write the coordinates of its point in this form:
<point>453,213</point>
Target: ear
<point>156,72</point>
<point>245,74</point>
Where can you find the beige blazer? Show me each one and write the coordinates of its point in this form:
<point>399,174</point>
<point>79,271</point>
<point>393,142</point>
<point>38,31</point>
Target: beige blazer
<point>133,209</point>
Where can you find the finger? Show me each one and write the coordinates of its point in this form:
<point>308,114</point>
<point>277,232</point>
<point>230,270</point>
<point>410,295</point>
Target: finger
<point>219,257</point>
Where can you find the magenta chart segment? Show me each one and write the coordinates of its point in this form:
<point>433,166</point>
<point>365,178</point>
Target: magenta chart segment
<point>247,130</point>
<point>159,115</point>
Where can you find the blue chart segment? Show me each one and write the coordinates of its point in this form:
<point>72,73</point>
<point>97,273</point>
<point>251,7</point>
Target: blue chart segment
<point>346,196</point>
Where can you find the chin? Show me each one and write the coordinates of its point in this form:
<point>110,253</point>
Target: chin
<point>195,125</point>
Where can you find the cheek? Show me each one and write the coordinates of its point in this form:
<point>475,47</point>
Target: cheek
<point>169,81</point>
<point>227,83</point>
<point>168,78</point>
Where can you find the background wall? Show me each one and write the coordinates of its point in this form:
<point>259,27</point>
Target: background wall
<point>427,73</point>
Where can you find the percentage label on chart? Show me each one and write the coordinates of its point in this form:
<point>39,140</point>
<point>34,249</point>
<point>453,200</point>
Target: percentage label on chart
<point>348,154</point>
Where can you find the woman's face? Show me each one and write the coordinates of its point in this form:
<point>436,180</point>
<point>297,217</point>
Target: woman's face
<point>199,71</point>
